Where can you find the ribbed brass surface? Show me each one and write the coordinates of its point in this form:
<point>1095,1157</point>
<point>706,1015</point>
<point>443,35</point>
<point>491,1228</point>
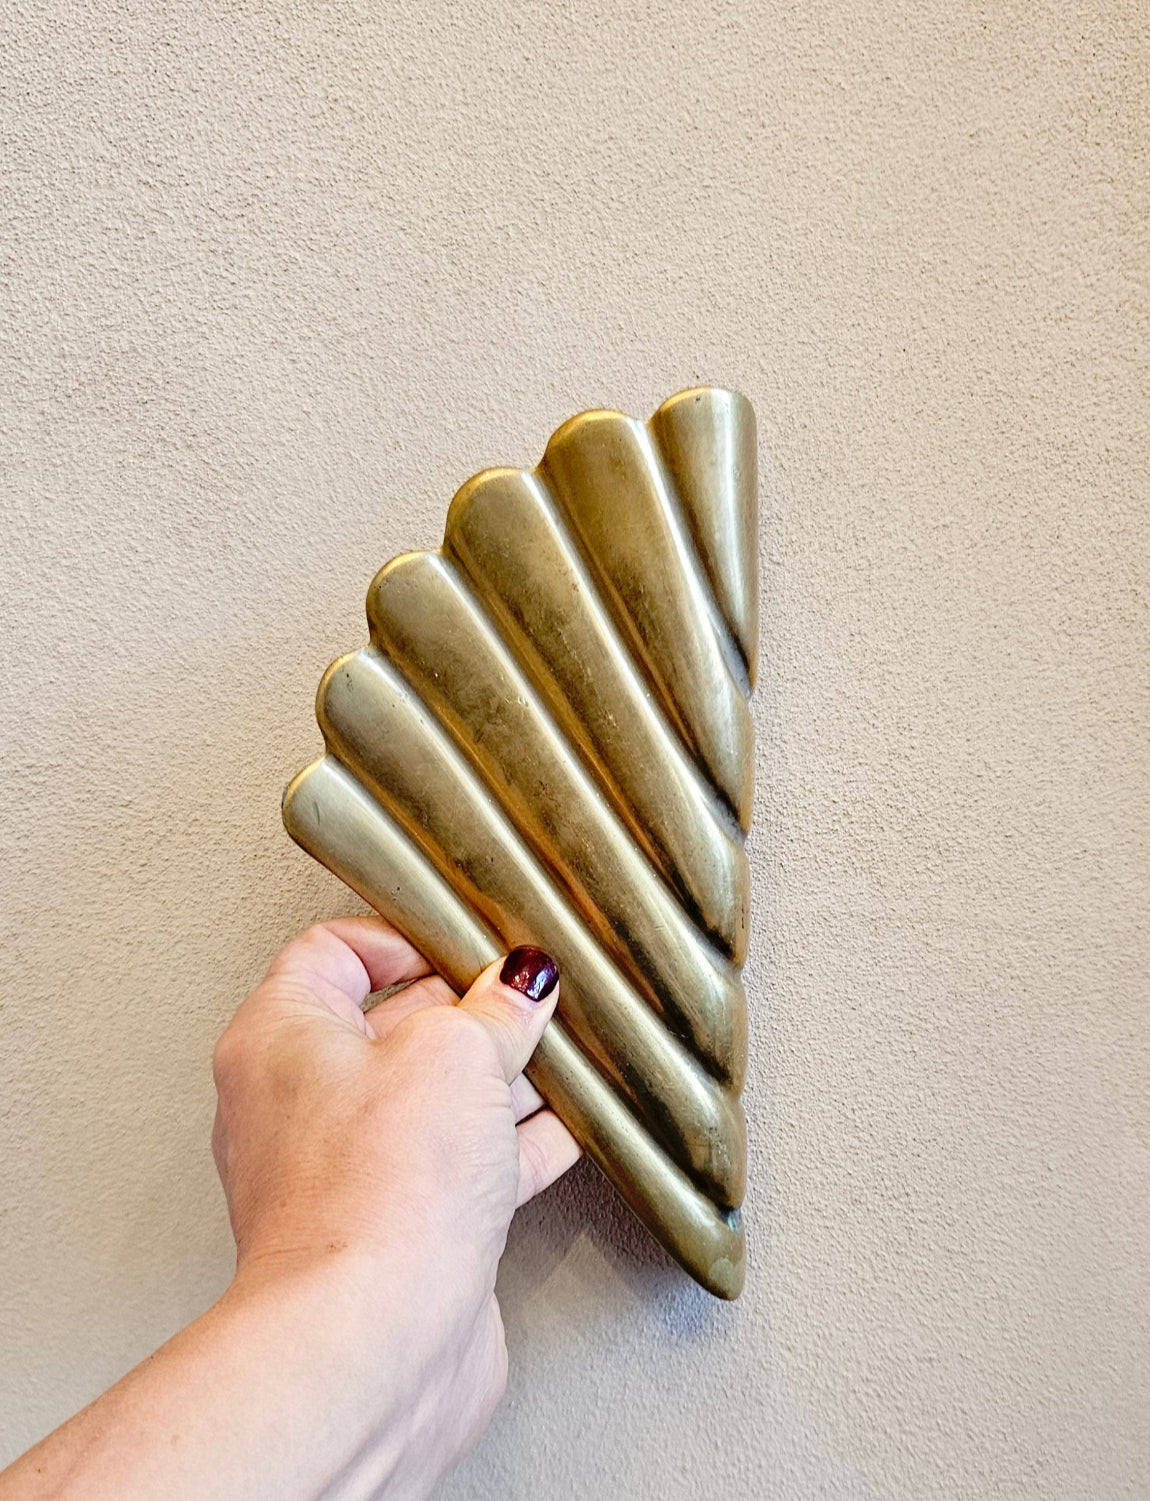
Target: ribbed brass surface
<point>548,741</point>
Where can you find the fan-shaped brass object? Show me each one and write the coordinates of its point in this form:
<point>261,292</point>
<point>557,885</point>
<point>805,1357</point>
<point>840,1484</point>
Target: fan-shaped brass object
<point>547,741</point>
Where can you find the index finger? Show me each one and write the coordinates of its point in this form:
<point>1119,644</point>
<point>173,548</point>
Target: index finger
<point>353,955</point>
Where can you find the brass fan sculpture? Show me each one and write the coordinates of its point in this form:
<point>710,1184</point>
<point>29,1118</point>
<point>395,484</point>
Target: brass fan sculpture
<point>547,741</point>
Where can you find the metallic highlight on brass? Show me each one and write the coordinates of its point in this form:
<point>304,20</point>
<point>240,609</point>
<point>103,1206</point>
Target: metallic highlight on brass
<point>548,742</point>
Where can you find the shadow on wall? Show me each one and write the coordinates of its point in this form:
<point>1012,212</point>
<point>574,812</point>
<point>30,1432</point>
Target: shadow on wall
<point>578,1247</point>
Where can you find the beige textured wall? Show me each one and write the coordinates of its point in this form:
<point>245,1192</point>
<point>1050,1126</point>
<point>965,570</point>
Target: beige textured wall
<point>277,277</point>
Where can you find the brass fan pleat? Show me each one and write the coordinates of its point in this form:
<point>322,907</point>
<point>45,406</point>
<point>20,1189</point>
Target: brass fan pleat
<point>507,534</point>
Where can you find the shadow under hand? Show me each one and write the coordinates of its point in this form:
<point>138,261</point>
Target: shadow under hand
<point>578,1247</point>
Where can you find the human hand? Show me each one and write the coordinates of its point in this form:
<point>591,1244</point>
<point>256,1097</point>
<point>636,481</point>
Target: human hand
<point>371,1164</point>
<point>399,1141</point>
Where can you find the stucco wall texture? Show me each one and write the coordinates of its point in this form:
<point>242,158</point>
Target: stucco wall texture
<point>277,278</point>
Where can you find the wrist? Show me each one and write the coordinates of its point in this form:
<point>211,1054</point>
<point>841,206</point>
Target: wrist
<point>420,1280</point>
<point>370,1348</point>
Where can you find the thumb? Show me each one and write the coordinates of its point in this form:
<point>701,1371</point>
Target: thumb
<point>514,999</point>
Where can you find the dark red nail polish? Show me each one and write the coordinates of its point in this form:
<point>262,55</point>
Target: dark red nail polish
<point>530,971</point>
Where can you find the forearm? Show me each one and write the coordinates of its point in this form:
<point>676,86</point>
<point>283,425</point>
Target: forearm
<point>295,1384</point>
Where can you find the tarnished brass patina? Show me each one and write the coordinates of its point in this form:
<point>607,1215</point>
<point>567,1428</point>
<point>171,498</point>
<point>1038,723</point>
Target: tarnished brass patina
<point>547,741</point>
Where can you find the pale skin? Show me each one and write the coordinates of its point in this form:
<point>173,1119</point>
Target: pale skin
<point>372,1164</point>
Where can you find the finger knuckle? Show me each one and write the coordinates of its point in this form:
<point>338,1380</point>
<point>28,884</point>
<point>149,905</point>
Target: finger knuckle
<point>228,1057</point>
<point>317,933</point>
<point>448,1032</point>
<point>532,1167</point>
<point>300,946</point>
<point>314,948</point>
